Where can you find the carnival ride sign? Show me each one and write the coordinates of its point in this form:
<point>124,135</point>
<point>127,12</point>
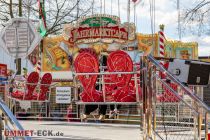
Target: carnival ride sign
<point>98,32</point>
<point>19,37</point>
<point>63,95</point>
<point>106,28</point>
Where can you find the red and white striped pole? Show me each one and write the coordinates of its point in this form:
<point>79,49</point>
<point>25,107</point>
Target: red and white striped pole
<point>39,59</point>
<point>38,69</point>
<point>161,42</point>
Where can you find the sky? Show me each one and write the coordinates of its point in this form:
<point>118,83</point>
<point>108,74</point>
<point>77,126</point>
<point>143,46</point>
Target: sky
<point>165,13</point>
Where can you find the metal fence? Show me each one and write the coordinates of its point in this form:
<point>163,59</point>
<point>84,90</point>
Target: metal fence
<point>176,111</point>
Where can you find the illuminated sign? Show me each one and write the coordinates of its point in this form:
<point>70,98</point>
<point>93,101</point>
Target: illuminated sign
<point>105,27</point>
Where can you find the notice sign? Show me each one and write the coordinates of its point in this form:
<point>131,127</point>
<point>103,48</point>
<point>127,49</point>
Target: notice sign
<point>63,95</point>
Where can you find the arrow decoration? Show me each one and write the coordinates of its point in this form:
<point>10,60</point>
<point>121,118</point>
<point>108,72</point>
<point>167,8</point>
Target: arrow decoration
<point>42,18</point>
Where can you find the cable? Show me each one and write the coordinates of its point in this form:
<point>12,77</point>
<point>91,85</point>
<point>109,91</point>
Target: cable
<point>111,7</point>
<point>118,8</point>
<point>78,9</point>
<point>128,19</point>
<point>134,13</point>
<point>104,7</point>
<point>152,21</point>
<point>100,6</point>
<point>128,14</point>
<point>179,20</point>
<point>93,6</point>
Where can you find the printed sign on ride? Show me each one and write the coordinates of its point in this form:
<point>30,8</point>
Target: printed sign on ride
<point>99,26</point>
<point>63,95</point>
<point>98,32</point>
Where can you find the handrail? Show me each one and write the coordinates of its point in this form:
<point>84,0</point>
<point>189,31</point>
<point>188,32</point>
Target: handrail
<point>175,93</point>
<point>186,89</point>
<point>6,111</point>
<point>106,73</point>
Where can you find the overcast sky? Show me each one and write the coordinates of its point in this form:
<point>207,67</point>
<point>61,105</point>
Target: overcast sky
<point>166,13</point>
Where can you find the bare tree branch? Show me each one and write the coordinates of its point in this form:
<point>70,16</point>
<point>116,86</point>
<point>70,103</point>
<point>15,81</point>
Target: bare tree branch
<point>197,18</point>
<point>58,12</point>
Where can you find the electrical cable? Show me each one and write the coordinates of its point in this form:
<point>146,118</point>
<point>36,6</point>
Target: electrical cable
<point>118,8</point>
<point>179,20</point>
<point>104,7</point>
<point>111,7</point>
<point>100,6</point>
<point>93,6</point>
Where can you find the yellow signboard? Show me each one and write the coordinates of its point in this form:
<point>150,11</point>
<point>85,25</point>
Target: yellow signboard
<point>54,58</point>
<point>150,40</point>
<point>173,49</point>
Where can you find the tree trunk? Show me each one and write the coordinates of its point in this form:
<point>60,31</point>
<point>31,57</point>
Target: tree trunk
<point>20,8</point>
<point>10,9</point>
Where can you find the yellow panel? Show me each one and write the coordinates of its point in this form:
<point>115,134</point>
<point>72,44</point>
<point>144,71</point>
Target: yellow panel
<point>55,59</point>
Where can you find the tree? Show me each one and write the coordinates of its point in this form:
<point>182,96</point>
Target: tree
<point>197,18</point>
<point>58,12</point>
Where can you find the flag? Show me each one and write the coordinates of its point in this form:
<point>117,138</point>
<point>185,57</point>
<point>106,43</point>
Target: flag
<point>42,18</point>
<point>135,1</point>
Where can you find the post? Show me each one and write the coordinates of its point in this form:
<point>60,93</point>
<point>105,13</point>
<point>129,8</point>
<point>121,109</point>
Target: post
<point>154,100</point>
<point>199,125</point>
<point>161,41</point>
<point>103,88</point>
<point>1,126</point>
<point>206,126</point>
<point>18,60</point>
<point>137,89</point>
<point>144,95</point>
<point>149,101</point>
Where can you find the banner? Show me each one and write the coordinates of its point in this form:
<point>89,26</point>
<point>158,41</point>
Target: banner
<point>63,95</point>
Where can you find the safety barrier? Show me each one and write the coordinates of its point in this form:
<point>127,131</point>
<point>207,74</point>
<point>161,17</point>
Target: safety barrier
<point>191,113</point>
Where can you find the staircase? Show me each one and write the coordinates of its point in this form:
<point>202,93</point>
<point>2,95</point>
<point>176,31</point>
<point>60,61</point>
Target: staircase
<point>173,113</point>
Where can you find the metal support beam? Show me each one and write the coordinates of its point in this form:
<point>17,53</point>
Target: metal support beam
<point>206,126</point>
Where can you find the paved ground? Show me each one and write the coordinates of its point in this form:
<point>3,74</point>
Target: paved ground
<point>83,131</point>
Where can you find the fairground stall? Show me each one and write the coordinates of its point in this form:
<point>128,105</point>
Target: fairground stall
<point>101,39</point>
<point>99,61</point>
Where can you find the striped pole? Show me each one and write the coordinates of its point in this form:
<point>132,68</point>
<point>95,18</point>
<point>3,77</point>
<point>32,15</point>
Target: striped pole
<point>38,69</point>
<point>161,42</point>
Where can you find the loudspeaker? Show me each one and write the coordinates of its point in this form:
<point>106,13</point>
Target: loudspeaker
<point>190,72</point>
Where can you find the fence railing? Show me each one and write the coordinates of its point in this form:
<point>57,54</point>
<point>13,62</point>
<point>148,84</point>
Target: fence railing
<point>9,122</point>
<point>177,111</point>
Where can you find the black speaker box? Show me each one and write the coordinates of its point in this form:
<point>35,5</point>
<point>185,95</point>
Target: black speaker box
<point>190,72</point>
